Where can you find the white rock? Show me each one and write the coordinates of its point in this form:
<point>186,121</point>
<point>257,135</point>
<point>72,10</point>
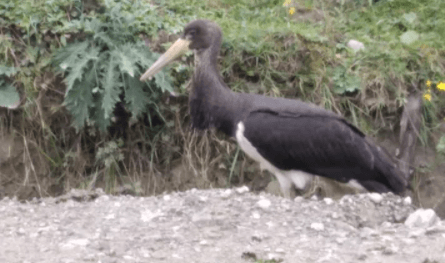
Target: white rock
<point>298,199</point>
<point>279,250</point>
<point>264,203</point>
<point>328,200</point>
<point>407,201</point>
<point>317,226</point>
<point>21,231</point>
<point>242,189</point>
<point>422,218</point>
<point>256,215</point>
<point>166,197</point>
<point>226,193</point>
<point>375,197</point>
<point>417,233</point>
<point>356,45</point>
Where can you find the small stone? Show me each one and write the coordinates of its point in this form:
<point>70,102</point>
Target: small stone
<point>264,203</point>
<point>355,45</point>
<point>386,224</point>
<point>226,193</point>
<point>159,255</point>
<point>390,250</point>
<point>80,242</point>
<point>375,197</point>
<point>274,257</point>
<point>270,224</point>
<point>407,201</point>
<point>422,218</point>
<point>166,197</point>
<point>21,231</point>
<point>417,233</point>
<point>256,215</point>
<point>203,242</point>
<point>102,198</point>
<point>314,198</point>
<point>279,250</point>
<point>298,199</point>
<point>242,189</point>
<point>340,240</point>
<point>328,200</point>
<point>435,230</point>
<point>367,232</point>
<point>126,257</point>
<point>317,226</point>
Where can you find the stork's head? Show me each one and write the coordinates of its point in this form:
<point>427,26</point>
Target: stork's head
<point>198,35</point>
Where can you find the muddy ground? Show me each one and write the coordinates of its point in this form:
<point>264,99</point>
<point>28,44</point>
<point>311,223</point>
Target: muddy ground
<point>219,225</point>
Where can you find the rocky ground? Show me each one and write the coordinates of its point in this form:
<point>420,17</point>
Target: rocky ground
<point>220,225</point>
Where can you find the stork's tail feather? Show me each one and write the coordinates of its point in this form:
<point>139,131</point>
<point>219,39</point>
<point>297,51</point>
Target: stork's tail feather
<point>391,176</point>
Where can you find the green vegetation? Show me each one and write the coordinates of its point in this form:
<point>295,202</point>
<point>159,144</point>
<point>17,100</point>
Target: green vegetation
<point>105,66</point>
<point>77,62</point>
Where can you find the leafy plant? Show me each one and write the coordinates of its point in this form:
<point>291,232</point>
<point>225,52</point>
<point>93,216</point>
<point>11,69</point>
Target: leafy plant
<point>9,96</point>
<point>345,82</point>
<point>103,70</point>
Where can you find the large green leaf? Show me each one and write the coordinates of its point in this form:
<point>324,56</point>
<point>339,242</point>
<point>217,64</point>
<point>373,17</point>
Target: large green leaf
<point>111,85</point>
<point>409,37</point>
<point>135,96</point>
<point>80,98</point>
<point>9,97</point>
<point>7,71</point>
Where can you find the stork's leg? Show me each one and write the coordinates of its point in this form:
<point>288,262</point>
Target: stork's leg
<point>287,187</point>
<point>300,179</point>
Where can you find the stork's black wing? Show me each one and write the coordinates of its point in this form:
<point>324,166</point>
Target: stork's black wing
<point>322,145</point>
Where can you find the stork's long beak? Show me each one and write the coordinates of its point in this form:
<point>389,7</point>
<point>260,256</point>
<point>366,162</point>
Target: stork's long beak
<point>177,49</point>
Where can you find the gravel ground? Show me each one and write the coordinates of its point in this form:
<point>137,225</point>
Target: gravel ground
<point>219,225</point>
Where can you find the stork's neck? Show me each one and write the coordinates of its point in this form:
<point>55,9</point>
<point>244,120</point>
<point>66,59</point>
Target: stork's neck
<point>212,103</point>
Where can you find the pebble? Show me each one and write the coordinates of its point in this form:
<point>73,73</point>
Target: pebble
<point>264,203</point>
<point>256,215</point>
<point>166,197</point>
<point>417,233</point>
<point>242,189</point>
<point>226,193</point>
<point>298,199</point>
<point>375,197</point>
<point>21,231</point>
<point>279,250</point>
<point>355,45</point>
<point>407,201</point>
<point>422,218</point>
<point>389,250</point>
<point>317,226</point>
<point>328,200</point>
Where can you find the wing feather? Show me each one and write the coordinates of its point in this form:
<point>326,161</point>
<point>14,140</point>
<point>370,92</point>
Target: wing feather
<point>318,144</point>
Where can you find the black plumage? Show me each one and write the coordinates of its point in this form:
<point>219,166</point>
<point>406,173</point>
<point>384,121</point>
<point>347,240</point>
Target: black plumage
<point>290,138</point>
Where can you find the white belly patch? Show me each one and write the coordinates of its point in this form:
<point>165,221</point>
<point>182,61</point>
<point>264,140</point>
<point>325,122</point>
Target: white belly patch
<point>285,178</point>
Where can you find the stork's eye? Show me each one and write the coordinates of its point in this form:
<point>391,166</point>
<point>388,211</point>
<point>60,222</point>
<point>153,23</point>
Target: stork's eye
<point>192,33</point>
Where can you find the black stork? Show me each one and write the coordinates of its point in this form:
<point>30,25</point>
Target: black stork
<point>292,139</point>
